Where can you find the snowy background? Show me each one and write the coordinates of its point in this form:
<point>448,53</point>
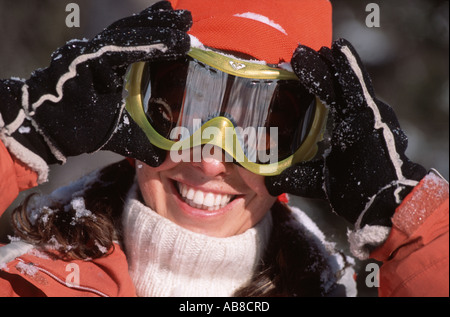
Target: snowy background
<point>407,57</point>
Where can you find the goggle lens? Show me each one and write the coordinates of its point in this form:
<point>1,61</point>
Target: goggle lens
<point>177,92</point>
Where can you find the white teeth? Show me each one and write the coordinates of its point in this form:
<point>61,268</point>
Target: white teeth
<point>199,197</point>
<point>209,200</point>
<point>189,194</point>
<point>225,199</point>
<point>201,200</point>
<point>218,200</point>
<point>184,191</point>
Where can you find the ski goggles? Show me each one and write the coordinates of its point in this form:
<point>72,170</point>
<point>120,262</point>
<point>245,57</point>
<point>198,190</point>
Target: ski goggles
<point>260,116</point>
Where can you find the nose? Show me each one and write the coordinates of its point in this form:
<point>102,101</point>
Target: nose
<point>212,164</point>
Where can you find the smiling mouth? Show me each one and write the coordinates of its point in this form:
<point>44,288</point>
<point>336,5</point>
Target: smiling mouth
<point>203,200</point>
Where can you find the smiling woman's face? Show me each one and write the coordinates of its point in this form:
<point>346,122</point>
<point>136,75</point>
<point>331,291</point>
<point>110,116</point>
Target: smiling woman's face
<point>211,197</point>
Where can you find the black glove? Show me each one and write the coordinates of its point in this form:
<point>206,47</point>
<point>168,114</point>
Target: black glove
<point>364,174</point>
<point>76,105</point>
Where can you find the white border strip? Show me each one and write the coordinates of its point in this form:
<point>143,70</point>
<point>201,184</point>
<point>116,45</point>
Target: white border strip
<point>387,133</point>
<point>263,19</point>
<point>25,155</point>
<point>72,72</point>
<point>59,280</point>
<point>379,124</point>
<point>16,123</point>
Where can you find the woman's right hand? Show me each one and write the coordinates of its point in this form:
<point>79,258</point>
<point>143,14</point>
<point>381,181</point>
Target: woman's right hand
<point>76,105</point>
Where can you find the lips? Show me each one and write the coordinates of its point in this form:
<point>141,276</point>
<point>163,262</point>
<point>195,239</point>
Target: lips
<point>203,200</point>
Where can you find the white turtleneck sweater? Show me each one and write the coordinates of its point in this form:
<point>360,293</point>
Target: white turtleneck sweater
<point>168,260</point>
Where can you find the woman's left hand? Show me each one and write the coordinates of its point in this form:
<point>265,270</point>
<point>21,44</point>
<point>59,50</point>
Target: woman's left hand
<point>365,173</point>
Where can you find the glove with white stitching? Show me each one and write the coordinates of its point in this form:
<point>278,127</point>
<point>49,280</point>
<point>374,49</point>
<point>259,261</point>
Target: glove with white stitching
<point>365,173</point>
<point>75,105</point>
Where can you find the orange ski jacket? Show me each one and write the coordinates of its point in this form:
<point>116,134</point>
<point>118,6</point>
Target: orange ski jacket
<point>415,255</point>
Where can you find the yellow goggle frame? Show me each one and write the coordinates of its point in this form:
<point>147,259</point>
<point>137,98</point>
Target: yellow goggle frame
<point>308,149</point>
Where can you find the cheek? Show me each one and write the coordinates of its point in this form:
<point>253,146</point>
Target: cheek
<point>255,182</point>
<point>260,200</point>
<point>150,184</point>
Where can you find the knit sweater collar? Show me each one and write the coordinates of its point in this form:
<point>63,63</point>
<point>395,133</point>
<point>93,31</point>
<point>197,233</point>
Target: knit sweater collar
<point>168,260</point>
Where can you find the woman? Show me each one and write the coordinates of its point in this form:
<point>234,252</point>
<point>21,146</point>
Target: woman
<point>188,219</point>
